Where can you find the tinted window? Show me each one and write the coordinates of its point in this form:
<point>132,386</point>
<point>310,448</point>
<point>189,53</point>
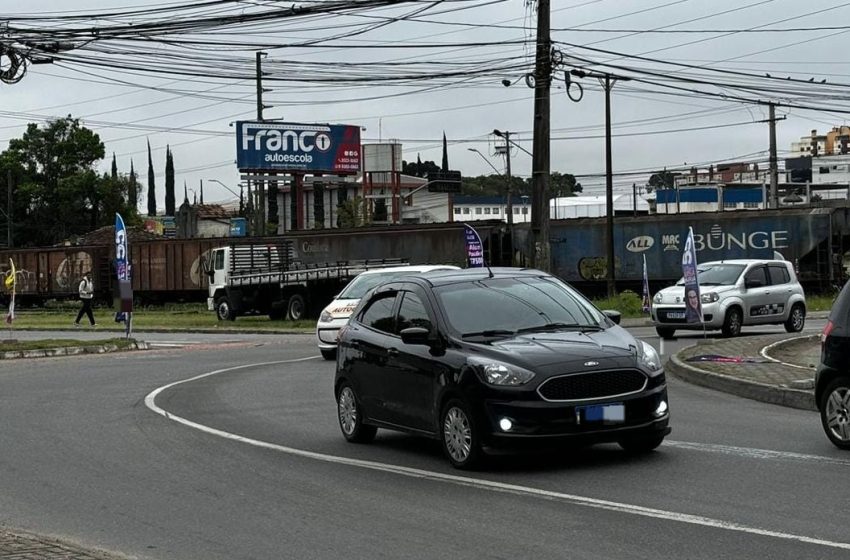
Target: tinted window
<point>779,274</point>
<point>365,282</point>
<point>757,275</point>
<point>412,313</point>
<point>379,313</point>
<point>513,304</point>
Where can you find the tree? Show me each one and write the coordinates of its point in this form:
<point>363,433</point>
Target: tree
<point>419,169</point>
<point>661,180</point>
<point>133,188</point>
<point>564,184</point>
<point>114,167</point>
<point>151,185</point>
<point>353,213</point>
<point>52,167</point>
<point>169,182</point>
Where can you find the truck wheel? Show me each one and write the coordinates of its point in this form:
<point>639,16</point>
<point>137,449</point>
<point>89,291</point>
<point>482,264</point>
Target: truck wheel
<point>223,310</point>
<point>297,307</point>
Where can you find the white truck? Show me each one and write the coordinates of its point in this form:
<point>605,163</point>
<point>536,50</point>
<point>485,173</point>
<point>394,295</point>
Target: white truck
<point>268,279</point>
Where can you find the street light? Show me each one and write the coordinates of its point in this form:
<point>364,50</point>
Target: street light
<point>241,200</point>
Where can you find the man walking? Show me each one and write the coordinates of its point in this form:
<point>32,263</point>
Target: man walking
<point>86,290</point>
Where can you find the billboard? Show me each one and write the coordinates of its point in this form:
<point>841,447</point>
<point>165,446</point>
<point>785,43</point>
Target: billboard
<point>310,148</point>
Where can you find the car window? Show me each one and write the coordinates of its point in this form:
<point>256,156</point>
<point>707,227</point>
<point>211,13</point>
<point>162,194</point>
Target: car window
<point>779,274</point>
<point>412,313</point>
<point>513,304</point>
<point>720,274</point>
<point>361,284</point>
<point>378,314</point>
<point>757,275</point>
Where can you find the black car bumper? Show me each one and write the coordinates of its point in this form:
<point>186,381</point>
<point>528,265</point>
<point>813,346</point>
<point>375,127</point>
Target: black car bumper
<point>541,422</point>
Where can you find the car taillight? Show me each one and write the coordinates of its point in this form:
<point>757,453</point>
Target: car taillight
<point>826,330</point>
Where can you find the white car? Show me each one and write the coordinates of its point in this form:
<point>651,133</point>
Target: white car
<point>336,314</point>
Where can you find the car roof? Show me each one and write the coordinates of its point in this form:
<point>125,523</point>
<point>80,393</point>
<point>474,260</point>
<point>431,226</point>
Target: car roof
<point>413,269</point>
<point>745,261</point>
<point>443,277</point>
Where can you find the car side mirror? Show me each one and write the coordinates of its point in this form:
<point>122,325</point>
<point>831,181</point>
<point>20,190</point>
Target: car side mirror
<point>416,335</point>
<point>613,314</point>
<point>753,284</point>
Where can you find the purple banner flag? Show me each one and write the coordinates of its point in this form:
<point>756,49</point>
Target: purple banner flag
<point>474,247</point>
<point>693,305</point>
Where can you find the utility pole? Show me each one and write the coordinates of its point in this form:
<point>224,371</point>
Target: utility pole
<point>261,187</point>
<point>9,208</point>
<point>540,164</point>
<point>510,205</point>
<point>608,83</point>
<point>774,171</point>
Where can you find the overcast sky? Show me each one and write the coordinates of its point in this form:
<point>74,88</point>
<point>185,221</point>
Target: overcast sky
<point>419,114</point>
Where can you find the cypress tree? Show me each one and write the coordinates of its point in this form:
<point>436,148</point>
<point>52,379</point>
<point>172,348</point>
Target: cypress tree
<point>169,182</point>
<point>151,185</point>
<point>114,168</point>
<point>132,188</point>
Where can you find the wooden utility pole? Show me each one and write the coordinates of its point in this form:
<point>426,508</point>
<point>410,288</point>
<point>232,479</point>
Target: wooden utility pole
<point>540,161</point>
<point>774,171</point>
<point>260,187</point>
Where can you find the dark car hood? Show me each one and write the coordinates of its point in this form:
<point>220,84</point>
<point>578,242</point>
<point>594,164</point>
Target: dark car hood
<point>612,347</point>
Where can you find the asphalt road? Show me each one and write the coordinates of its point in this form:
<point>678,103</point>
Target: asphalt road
<point>249,463</point>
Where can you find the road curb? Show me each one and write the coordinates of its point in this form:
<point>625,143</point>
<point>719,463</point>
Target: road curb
<point>784,396</point>
<point>72,351</point>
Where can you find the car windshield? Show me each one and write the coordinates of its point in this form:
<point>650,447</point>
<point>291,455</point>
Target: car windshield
<point>361,284</point>
<point>504,306</point>
<point>717,274</point>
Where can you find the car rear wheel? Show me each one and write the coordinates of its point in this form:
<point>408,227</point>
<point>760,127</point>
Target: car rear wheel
<point>732,323</point>
<point>796,320</point>
<point>350,417</point>
<point>459,435</point>
<point>665,332</point>
<point>643,443</point>
<point>835,412</point>
<point>328,354</point>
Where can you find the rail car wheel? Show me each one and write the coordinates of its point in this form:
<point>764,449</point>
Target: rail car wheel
<point>297,307</point>
<point>223,310</point>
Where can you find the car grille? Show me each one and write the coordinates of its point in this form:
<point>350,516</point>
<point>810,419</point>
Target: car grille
<point>593,385</point>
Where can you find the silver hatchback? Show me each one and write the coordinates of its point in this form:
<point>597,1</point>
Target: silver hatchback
<point>733,294</point>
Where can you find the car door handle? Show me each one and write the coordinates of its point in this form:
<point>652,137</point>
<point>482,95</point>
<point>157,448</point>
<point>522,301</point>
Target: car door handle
<point>392,352</point>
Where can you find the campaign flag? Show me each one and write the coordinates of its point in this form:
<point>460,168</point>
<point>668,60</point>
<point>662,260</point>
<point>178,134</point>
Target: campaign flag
<point>474,247</point>
<point>10,285</point>
<point>122,271</point>
<point>693,304</point>
<point>645,305</point>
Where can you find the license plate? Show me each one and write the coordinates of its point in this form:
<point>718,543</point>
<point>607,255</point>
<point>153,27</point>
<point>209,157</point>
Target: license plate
<point>605,413</point>
<point>675,314</point>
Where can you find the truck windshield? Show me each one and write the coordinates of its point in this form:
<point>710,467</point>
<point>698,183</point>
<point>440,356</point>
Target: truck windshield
<point>716,274</point>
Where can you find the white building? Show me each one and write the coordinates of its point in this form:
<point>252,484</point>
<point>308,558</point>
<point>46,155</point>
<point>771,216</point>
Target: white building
<point>472,208</point>
<point>595,206</point>
<point>831,169</point>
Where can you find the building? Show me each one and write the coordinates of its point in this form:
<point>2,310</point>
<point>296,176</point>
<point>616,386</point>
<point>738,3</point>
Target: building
<point>831,169</point>
<point>595,206</point>
<point>710,198</point>
<point>468,208</point>
<point>836,141</point>
<point>202,220</point>
<point>725,173</point>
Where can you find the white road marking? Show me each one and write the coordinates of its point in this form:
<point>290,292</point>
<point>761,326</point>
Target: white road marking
<point>752,453</point>
<point>484,484</point>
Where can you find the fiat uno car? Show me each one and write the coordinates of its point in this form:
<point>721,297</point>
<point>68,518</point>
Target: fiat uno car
<point>482,359</point>
<point>735,293</point>
<point>336,314</point>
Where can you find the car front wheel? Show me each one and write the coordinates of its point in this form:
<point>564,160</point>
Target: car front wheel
<point>665,332</point>
<point>835,412</point>
<point>328,354</point>
<point>351,417</point>
<point>459,435</point>
<point>796,320</point>
<point>732,323</point>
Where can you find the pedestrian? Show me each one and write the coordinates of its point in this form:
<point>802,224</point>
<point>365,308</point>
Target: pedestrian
<point>86,291</point>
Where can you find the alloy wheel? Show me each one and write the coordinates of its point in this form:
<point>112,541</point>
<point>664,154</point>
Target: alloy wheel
<point>457,434</point>
<point>797,319</point>
<point>347,409</point>
<point>838,413</point>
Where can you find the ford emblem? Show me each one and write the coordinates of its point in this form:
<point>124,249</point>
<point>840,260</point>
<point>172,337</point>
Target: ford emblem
<point>591,363</point>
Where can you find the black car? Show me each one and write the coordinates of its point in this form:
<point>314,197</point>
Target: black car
<point>488,358</point>
<point>832,380</point>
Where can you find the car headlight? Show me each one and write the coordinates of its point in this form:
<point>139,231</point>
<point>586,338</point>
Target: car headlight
<point>647,356</point>
<point>501,374</point>
<point>325,317</point>
<point>710,297</point>
<point>658,298</point>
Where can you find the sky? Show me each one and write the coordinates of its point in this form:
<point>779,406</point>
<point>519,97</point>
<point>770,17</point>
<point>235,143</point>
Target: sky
<point>693,97</point>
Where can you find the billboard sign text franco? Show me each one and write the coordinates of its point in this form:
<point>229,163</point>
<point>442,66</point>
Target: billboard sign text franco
<point>311,148</point>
